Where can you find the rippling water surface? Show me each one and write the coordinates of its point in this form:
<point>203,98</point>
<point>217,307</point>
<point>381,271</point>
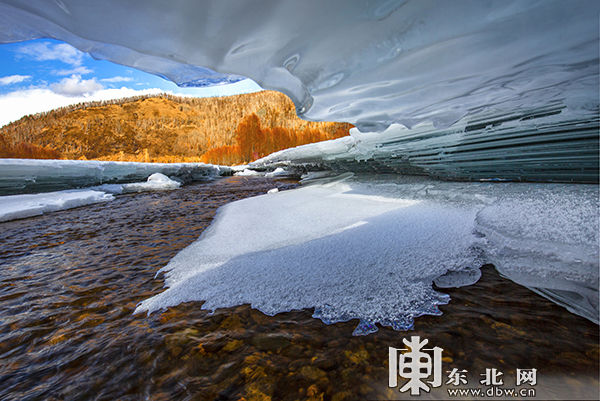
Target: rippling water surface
<point>69,282</point>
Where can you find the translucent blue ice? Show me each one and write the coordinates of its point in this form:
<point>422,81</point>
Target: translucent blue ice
<point>505,89</point>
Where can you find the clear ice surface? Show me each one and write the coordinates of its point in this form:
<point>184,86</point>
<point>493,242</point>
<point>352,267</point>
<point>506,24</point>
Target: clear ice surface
<point>370,247</point>
<point>482,76</point>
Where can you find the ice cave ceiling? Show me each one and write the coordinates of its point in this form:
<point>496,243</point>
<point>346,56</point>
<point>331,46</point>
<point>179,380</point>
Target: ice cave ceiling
<point>487,89</point>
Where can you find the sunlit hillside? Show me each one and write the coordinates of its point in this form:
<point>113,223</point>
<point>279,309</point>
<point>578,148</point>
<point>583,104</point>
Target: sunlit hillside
<point>165,128</point>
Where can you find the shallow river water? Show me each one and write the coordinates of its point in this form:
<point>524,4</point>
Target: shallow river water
<point>69,282</point>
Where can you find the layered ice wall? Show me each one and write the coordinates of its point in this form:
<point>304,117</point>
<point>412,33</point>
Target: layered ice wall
<point>548,149</point>
<point>505,89</point>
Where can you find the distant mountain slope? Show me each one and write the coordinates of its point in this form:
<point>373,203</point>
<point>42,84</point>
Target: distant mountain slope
<point>165,128</point>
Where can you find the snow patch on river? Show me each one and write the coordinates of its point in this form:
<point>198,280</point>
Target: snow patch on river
<point>370,249</point>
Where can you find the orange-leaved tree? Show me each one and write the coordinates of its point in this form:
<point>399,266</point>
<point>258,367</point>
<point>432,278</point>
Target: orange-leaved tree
<point>254,141</point>
<point>26,150</point>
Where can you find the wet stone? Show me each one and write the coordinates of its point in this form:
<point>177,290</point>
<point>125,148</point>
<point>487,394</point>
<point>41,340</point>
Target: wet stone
<point>271,342</point>
<point>312,373</point>
<point>325,363</point>
<point>233,345</point>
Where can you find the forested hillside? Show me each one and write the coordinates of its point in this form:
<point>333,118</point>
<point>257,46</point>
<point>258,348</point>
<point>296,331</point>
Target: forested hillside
<point>165,128</point>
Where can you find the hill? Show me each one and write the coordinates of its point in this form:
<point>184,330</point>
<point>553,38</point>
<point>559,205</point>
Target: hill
<point>166,128</point>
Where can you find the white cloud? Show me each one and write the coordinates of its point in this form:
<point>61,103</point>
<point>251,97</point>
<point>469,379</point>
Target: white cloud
<point>14,79</point>
<point>45,51</point>
<point>77,70</point>
<point>17,104</point>
<point>75,86</point>
<point>117,79</point>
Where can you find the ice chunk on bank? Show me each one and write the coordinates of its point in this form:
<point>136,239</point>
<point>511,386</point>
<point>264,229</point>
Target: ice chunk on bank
<point>278,172</point>
<point>20,206</point>
<point>155,182</point>
<point>247,172</point>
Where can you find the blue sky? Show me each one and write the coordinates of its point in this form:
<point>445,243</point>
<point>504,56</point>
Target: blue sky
<point>44,74</point>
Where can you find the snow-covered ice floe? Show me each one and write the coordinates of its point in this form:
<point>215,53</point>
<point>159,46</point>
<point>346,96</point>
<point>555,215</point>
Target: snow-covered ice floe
<point>523,146</point>
<point>370,248</point>
<point>14,207</point>
<point>278,172</point>
<point>247,172</point>
<point>156,182</point>
<point>28,175</point>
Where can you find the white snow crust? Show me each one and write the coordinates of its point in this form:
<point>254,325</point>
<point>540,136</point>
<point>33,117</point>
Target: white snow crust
<point>20,206</point>
<point>370,248</point>
<point>247,172</point>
